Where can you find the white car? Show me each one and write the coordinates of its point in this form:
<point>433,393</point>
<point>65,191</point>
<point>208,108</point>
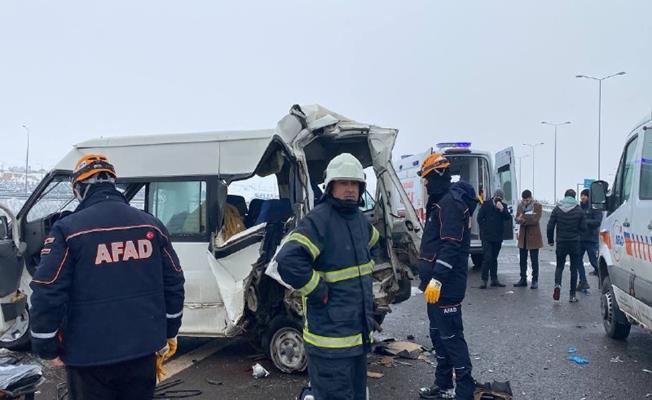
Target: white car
<point>186,180</point>
<point>472,166</point>
<point>625,262</point>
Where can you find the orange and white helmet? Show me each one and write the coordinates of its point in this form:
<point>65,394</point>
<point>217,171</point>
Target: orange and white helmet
<point>436,162</point>
<point>90,165</point>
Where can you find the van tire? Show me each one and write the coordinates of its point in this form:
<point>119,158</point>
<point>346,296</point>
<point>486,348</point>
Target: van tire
<point>615,323</point>
<point>23,342</point>
<point>283,344</point>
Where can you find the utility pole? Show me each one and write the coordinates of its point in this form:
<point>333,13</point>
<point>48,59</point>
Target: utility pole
<point>555,125</point>
<point>26,160</point>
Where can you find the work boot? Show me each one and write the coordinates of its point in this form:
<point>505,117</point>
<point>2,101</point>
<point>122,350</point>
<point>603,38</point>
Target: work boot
<point>572,299</point>
<point>584,285</point>
<point>434,392</point>
<point>496,283</point>
<point>556,293</point>
<point>521,283</point>
<point>535,285</point>
<point>483,286</point>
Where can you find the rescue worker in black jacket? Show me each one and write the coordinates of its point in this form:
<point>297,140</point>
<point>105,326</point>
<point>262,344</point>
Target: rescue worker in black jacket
<point>108,292</point>
<point>328,259</point>
<point>443,266</point>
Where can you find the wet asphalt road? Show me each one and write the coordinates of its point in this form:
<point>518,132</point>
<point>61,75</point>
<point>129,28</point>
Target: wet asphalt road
<point>514,334</point>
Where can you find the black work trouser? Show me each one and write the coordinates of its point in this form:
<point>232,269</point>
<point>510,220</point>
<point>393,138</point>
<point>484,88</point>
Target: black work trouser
<point>128,380</point>
<point>338,378</point>
<point>534,258</point>
<point>572,251</point>
<point>490,251</point>
<point>447,336</point>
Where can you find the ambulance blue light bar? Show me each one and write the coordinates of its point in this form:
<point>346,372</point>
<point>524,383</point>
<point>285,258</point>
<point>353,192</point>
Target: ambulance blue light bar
<point>456,145</point>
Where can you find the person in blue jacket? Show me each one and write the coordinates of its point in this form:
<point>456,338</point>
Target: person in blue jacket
<point>443,266</point>
<point>328,259</point>
<point>108,291</point>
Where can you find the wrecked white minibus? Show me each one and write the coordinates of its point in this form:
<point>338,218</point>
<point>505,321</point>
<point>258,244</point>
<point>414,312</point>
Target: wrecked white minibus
<point>232,288</point>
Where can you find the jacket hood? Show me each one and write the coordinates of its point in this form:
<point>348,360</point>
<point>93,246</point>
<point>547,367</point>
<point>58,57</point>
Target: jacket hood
<point>462,191</point>
<point>567,204</point>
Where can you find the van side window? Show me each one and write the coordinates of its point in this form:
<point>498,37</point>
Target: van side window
<point>625,174</point>
<point>645,192</point>
<point>181,206</point>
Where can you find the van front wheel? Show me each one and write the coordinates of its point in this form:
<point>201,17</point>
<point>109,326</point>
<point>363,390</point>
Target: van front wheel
<point>283,342</point>
<point>615,323</point>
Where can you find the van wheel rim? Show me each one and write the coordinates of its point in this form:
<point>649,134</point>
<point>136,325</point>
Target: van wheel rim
<point>17,330</point>
<point>607,308</point>
<point>287,350</point>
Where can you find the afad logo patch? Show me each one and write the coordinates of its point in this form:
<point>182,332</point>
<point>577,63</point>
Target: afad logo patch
<point>123,251</point>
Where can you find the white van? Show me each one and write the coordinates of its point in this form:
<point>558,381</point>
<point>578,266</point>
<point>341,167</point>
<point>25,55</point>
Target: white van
<point>625,262</point>
<point>232,288</point>
<point>472,166</point>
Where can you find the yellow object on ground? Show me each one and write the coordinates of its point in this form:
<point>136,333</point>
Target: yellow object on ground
<point>432,292</point>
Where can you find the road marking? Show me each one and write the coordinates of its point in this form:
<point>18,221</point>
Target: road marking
<point>189,359</point>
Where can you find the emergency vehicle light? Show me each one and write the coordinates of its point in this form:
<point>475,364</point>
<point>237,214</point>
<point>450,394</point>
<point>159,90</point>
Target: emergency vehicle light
<point>458,145</point>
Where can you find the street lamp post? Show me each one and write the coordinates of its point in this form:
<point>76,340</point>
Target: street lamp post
<point>533,146</point>
<point>555,124</point>
<point>520,170</point>
<point>26,159</point>
<point>599,80</point>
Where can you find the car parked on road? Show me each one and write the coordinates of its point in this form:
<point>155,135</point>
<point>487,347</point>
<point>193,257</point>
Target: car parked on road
<point>625,261</point>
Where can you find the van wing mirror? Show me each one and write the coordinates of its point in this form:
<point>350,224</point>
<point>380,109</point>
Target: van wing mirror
<point>599,195</point>
<point>4,227</point>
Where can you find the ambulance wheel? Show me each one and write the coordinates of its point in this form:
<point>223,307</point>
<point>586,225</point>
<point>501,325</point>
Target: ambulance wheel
<point>283,342</point>
<point>477,260</point>
<point>615,323</point>
<point>17,337</point>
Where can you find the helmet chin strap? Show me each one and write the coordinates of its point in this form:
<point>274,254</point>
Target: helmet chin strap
<point>81,188</point>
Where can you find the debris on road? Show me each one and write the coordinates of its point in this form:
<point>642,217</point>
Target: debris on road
<point>375,375</point>
<point>213,382</point>
<point>616,360</point>
<point>647,371</point>
<point>258,371</point>
<point>494,391</point>
<point>400,349</point>
<point>578,360</point>
<point>572,350</point>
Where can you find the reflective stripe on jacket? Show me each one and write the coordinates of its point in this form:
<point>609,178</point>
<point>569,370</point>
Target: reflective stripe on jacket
<point>329,256</point>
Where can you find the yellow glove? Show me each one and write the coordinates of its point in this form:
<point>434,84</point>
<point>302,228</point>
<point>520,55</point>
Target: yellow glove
<point>432,292</point>
<point>163,355</point>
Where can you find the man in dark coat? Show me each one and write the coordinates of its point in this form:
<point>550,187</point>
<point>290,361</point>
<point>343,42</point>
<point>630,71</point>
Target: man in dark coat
<point>491,219</point>
<point>443,268</point>
<point>328,260</point>
<point>569,221</point>
<point>108,292</point>
<point>589,240</point>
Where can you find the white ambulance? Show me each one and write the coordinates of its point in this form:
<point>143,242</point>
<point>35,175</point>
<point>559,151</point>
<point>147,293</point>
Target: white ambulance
<point>472,166</point>
<point>625,262</point>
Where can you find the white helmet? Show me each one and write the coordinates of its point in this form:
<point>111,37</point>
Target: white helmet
<point>344,167</point>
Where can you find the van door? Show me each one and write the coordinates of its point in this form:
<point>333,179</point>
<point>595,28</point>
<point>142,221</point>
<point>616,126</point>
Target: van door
<point>642,233</point>
<point>505,172</point>
<point>620,225</point>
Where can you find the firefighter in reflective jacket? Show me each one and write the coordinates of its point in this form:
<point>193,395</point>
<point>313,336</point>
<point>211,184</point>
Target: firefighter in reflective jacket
<point>328,260</point>
<point>443,266</point>
<point>108,292</point>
